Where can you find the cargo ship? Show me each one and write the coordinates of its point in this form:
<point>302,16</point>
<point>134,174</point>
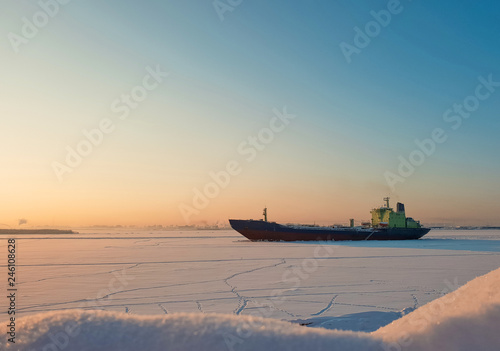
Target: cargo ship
<point>386,224</point>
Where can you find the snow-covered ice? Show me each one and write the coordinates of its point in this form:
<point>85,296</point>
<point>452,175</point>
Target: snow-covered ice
<point>466,319</point>
<point>356,286</point>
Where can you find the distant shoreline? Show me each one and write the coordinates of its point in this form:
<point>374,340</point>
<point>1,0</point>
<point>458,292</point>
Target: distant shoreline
<point>36,231</point>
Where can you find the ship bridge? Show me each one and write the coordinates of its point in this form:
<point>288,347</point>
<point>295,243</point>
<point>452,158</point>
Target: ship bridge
<point>385,216</point>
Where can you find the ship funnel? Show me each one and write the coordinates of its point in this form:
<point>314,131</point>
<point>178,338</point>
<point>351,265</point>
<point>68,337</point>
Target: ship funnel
<point>400,207</point>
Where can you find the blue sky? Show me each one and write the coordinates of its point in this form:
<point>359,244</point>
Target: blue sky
<point>353,119</point>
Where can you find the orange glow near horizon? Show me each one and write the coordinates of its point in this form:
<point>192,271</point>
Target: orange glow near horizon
<point>100,128</point>
<point>297,205</point>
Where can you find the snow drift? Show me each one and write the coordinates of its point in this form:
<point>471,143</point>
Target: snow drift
<point>466,319</point>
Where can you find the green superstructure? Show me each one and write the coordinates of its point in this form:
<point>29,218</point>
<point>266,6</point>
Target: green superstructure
<point>386,217</point>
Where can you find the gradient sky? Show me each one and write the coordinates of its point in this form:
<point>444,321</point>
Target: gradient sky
<point>353,120</point>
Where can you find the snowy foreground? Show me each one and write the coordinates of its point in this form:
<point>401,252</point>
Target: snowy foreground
<point>215,290</point>
<point>466,319</point>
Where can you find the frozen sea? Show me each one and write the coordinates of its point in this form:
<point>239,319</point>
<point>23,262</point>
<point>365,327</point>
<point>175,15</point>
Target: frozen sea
<point>346,285</point>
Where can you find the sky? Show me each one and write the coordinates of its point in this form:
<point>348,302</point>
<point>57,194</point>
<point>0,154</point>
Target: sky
<point>192,112</point>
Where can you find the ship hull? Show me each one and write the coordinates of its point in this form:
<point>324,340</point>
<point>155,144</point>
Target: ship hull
<point>270,231</point>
